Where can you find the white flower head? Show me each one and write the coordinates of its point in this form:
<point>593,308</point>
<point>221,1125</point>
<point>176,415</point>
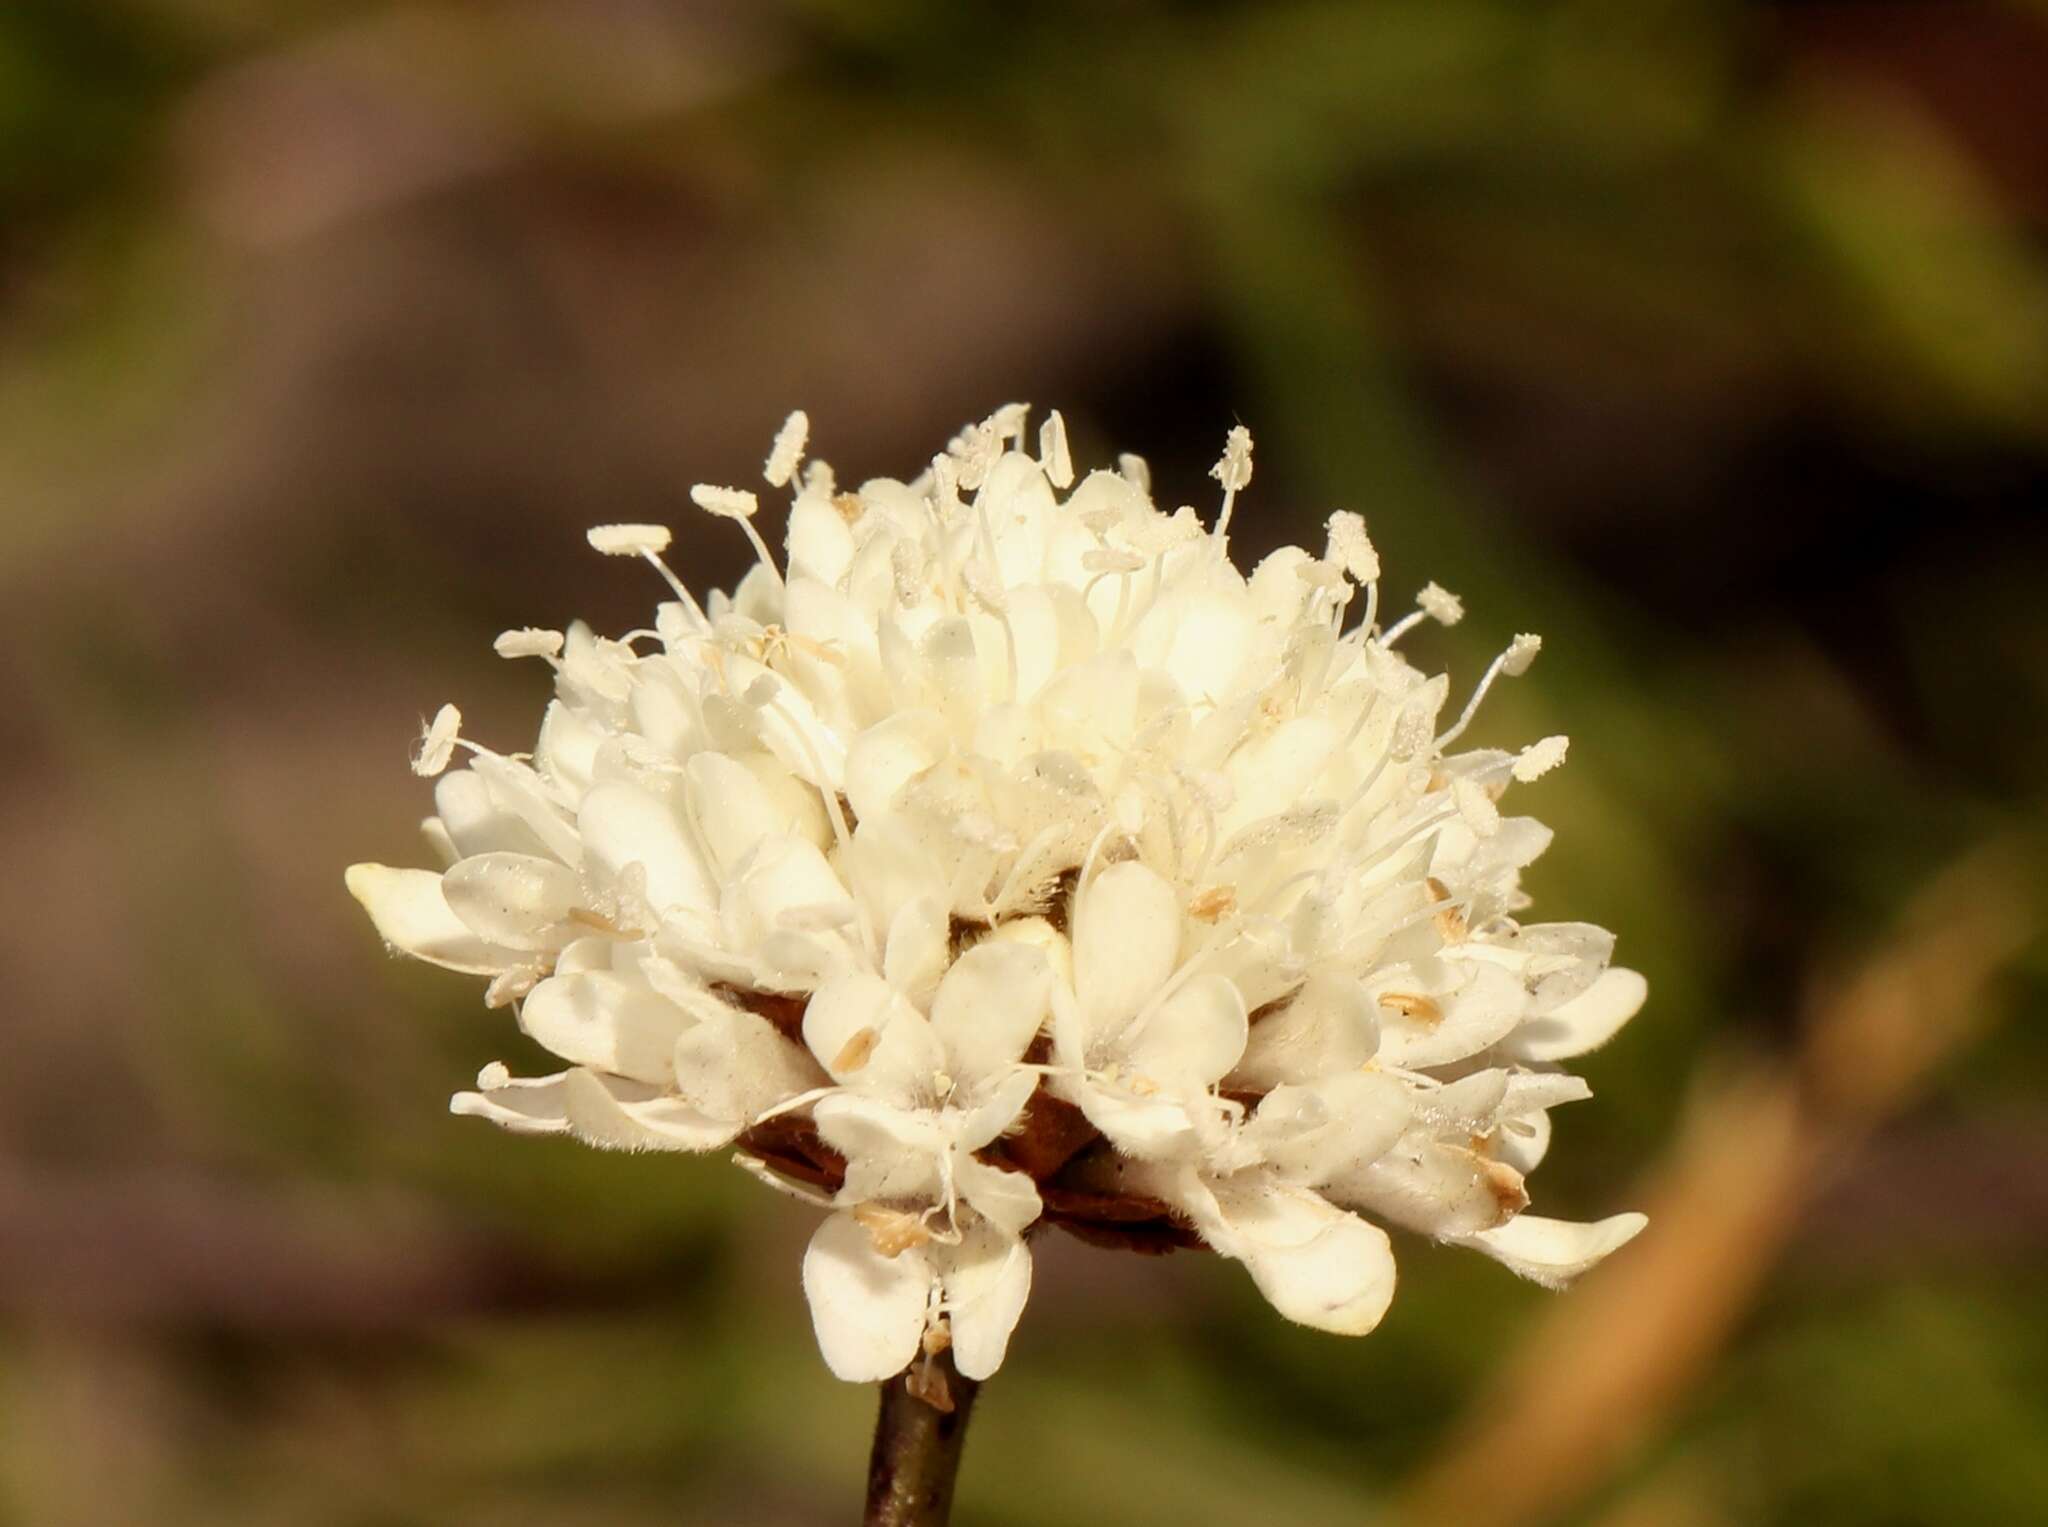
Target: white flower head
<point>1006,858</point>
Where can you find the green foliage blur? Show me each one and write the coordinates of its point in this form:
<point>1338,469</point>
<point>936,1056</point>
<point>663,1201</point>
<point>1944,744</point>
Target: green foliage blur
<point>1709,339</point>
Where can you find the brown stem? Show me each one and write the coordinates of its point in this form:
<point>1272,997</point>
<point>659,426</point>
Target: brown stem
<point>918,1437</point>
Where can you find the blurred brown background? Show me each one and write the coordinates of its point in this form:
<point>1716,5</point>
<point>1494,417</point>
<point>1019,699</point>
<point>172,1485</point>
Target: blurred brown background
<point>1708,338</point>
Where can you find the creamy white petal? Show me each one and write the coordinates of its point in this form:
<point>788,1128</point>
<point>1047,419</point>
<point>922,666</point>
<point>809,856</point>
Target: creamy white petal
<point>784,876</point>
<point>476,823</point>
<point>1192,1038</point>
<point>624,824</point>
<point>1314,1263</point>
<point>517,791</point>
<point>1332,1127</point>
<point>916,950</point>
<point>1586,1022</point>
<point>868,1309</point>
<point>1554,1251</point>
<point>891,1151</point>
<point>729,809</point>
<point>1009,1200</point>
<point>520,901</point>
<point>987,1279</point>
<point>868,1037</point>
<point>1146,1128</point>
<point>737,1065</point>
<point>993,1107</point>
<point>1127,929</point>
<point>1446,1028</point>
<point>1330,1026</point>
<point>989,1006</point>
<point>413,915</point>
<point>1433,1187</point>
<point>606,1020</point>
<point>621,1115</point>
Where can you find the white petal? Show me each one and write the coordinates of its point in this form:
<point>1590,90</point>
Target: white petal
<point>820,545</point>
<point>620,1115</point>
<point>987,1280</point>
<point>623,824</point>
<point>1458,1024</point>
<point>1274,773</point>
<point>989,1007</point>
<point>411,914</point>
<point>1315,1131</point>
<point>566,751</point>
<point>606,1020</point>
<point>891,1152</point>
<point>1523,1143</point>
<point>1316,1264</point>
<point>729,808</point>
<point>865,1034</point>
<point>914,955</point>
<point>1147,1129</point>
<point>1329,1026</point>
<point>1586,1022</point>
<point>518,900</point>
<point>737,1065</point>
<point>868,1309</point>
<point>475,821</point>
<point>519,792</point>
<point>1126,943</point>
<point>888,755</point>
<point>997,1108</point>
<point>790,726</point>
<point>1433,1188</point>
<point>1554,1251</point>
<point>956,668</point>
<point>784,874</point>
<point>1189,1041</point>
<point>1211,635</point>
<point>1008,1200</point>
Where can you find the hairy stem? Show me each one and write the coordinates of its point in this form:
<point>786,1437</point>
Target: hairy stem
<point>918,1436</point>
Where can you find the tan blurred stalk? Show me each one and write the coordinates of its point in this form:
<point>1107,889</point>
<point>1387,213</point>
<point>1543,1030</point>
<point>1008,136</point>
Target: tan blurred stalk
<point>1606,1368</point>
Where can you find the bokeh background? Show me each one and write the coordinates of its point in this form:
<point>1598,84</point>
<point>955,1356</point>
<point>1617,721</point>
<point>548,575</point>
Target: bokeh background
<point>1708,338</point>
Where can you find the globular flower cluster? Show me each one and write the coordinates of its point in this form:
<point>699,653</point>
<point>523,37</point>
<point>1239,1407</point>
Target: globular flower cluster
<point>1006,857</point>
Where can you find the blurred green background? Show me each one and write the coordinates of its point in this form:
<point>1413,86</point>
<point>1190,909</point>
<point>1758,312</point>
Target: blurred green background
<point>1709,339</point>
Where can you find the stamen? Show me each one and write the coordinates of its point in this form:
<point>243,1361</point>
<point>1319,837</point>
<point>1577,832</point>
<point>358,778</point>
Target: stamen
<point>1539,758</point>
<point>1440,604</point>
<point>629,540</point>
<point>437,742</point>
<point>1514,662</point>
<point>1234,470</point>
<point>736,504</point>
<point>788,451</point>
<point>1476,807</point>
<point>1436,603</point>
<point>1352,549</point>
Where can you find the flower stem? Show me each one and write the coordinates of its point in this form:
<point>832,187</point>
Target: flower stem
<point>918,1436</point>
